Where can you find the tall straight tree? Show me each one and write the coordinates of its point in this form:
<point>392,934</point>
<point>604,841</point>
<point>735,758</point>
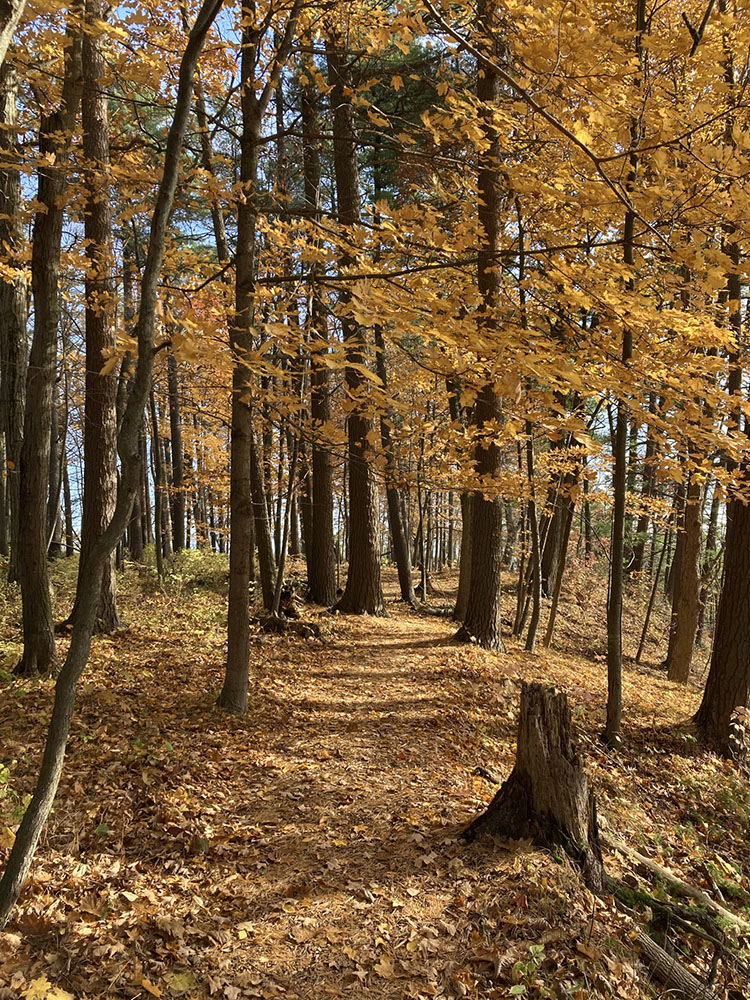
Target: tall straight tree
<point>177,498</point>
<point>728,681</point>
<point>647,489</point>
<point>254,104</point>
<point>481,622</point>
<point>457,416</point>
<point>686,604</point>
<point>363,592</point>
<point>100,414</point>
<point>396,519</point>
<point>620,445</point>
<point>54,136</point>
<point>54,481</point>
<point>13,307</point>
<point>320,551</point>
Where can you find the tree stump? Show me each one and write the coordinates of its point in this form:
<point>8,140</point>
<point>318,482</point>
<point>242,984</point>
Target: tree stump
<point>547,798</point>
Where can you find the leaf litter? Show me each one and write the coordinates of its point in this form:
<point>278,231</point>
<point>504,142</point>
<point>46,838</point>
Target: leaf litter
<point>312,849</point>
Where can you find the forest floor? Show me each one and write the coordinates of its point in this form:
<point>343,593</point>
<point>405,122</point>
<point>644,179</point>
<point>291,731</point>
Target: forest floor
<point>311,849</point>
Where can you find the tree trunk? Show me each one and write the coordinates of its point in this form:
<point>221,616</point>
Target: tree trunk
<point>244,458</point>
<point>158,486</point>
<point>3,498</point>
<point>363,592</point>
<point>320,550</point>
<point>67,499</point>
<point>100,426</point>
<point>647,489</point>
<point>620,447</point>
<point>177,494</point>
<point>687,590</point>
<point>166,527</point>
<point>261,522</point>
<point>233,694</point>
<point>54,539</point>
<point>135,527</point>
<point>10,14</point>
<point>652,597</point>
<point>511,536</point>
<point>588,527</point>
<point>38,636</point>
<point>481,623</point>
<point>464,559</point>
<point>552,540</point>
<point>277,519</point>
<point>616,575</point>
<point>399,539</point>
<point>13,308</point>
<point>547,798</point>
<point>728,682</point>
<point>674,572</point>
<point>708,564</point>
<point>557,586</point>
<point>536,570</point>
<point>630,481</point>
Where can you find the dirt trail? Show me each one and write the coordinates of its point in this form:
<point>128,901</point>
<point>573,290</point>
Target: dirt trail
<point>306,850</point>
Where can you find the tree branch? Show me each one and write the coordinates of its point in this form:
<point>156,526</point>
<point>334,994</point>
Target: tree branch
<point>556,124</point>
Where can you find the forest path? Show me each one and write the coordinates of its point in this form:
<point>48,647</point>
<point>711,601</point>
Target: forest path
<point>306,850</point>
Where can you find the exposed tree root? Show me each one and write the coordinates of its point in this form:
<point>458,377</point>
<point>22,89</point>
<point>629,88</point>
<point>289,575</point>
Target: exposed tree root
<point>546,798</point>
<point>679,981</point>
<point>677,885</point>
<point>278,625</point>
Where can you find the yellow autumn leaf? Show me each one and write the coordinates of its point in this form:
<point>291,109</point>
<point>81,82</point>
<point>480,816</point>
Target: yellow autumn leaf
<point>42,989</point>
<point>384,968</point>
<point>150,988</point>
<point>180,982</point>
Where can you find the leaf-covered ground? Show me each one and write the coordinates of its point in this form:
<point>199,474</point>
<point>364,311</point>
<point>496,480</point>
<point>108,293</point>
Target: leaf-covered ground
<point>312,849</point>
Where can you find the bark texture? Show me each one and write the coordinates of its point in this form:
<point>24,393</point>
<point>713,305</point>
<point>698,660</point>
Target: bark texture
<point>620,454</point>
<point>233,694</point>
<point>11,12</point>
<point>261,522</point>
<point>686,605</point>
<point>177,492</point>
<point>481,622</point>
<point>363,592</point>
<point>38,636</point>
<point>728,682</point>
<point>100,426</point>
<point>320,549</point>
<point>547,796</point>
